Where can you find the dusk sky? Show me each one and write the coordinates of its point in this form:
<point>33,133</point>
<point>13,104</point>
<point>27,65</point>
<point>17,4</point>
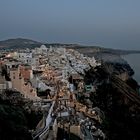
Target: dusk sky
<point>107,23</point>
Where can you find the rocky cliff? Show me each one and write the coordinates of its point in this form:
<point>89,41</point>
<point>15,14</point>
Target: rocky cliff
<point>119,100</point>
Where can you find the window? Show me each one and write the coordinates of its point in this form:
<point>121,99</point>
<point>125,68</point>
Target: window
<point>20,76</point>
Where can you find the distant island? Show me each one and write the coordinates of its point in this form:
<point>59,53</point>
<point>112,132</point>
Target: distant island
<point>21,43</point>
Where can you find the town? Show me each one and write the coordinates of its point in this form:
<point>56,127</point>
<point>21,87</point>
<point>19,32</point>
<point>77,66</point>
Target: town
<point>53,78</point>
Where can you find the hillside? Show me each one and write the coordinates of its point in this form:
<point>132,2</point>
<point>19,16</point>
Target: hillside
<point>118,99</point>
<point>17,116</point>
<point>97,51</point>
<point>18,43</point>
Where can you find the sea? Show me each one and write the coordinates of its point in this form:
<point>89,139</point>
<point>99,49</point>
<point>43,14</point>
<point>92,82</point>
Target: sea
<point>134,61</point>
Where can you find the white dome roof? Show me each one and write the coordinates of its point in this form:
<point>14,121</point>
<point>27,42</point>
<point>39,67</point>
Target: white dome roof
<point>43,47</point>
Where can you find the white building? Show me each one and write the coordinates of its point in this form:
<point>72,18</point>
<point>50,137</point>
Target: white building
<point>25,57</point>
<point>42,50</point>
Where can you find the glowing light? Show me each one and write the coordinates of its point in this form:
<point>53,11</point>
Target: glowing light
<point>8,55</point>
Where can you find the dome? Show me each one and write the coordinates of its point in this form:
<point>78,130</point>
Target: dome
<point>43,47</point>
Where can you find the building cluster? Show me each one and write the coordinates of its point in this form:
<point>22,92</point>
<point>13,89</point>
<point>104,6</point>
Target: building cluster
<point>47,74</point>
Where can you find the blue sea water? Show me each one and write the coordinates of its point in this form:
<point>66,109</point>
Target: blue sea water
<point>134,61</point>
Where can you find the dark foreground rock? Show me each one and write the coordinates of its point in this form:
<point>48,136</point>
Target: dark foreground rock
<point>15,119</point>
<point>119,100</point>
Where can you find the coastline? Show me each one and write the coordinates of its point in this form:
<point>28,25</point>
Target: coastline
<point>133,60</point>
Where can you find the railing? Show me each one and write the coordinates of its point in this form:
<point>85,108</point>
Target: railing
<point>48,120</point>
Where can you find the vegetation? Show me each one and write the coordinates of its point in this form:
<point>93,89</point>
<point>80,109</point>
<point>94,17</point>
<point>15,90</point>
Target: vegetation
<point>44,93</point>
<point>62,134</point>
<point>15,120</point>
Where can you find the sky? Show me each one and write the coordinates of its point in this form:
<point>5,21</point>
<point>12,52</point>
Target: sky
<point>106,23</point>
